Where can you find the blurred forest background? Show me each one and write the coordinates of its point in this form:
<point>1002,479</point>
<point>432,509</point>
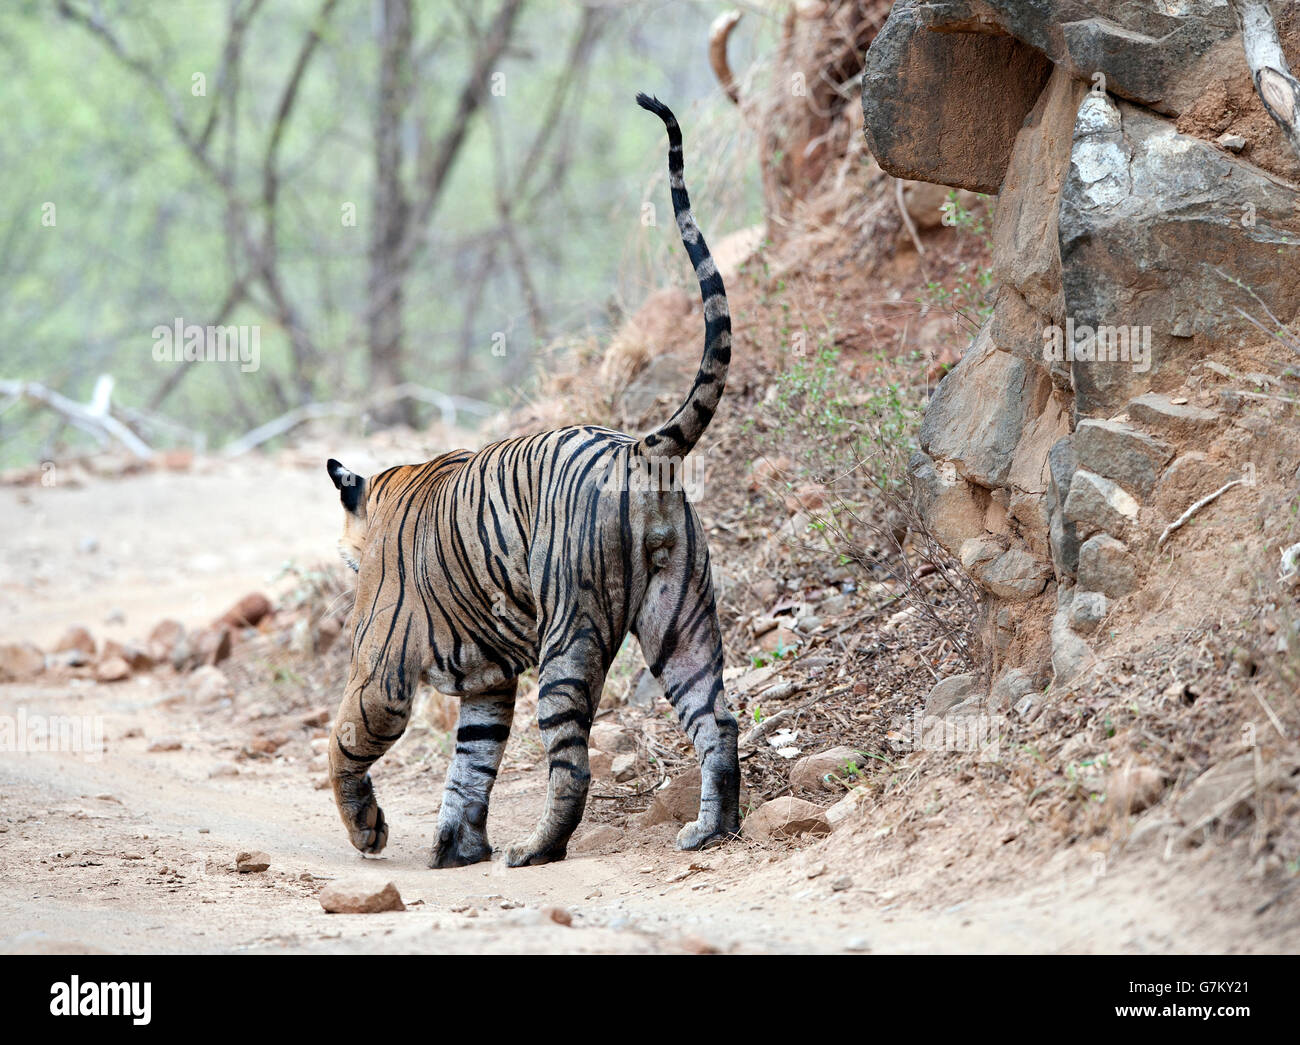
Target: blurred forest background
<point>389,190</point>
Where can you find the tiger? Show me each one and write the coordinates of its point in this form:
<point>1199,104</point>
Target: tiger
<point>538,551</point>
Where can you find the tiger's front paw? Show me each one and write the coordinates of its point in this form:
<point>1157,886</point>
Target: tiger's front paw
<point>458,845</point>
<point>367,828</point>
<point>532,852</point>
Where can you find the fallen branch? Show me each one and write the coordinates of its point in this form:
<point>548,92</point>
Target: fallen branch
<point>449,405</point>
<point>907,218</point>
<point>93,419</point>
<point>1178,523</point>
<point>1276,87</point>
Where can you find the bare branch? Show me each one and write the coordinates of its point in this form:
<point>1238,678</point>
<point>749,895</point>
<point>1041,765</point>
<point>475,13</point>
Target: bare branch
<point>1277,88</point>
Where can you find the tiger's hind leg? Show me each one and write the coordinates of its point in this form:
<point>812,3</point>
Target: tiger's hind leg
<point>481,735</point>
<point>677,627</point>
<point>570,684</point>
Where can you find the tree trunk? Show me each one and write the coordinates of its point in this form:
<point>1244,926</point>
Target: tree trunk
<point>385,330</point>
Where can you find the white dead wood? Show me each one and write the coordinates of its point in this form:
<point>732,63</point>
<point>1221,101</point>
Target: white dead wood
<point>448,405</point>
<point>93,418</point>
<point>1276,87</point>
<point>719,33</point>
<point>1182,520</point>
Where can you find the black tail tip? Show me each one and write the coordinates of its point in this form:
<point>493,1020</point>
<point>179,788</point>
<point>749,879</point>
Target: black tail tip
<point>652,104</point>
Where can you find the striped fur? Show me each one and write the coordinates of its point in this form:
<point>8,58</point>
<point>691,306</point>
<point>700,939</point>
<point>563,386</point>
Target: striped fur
<point>544,550</point>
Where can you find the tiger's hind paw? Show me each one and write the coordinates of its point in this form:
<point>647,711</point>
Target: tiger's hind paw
<point>459,845</point>
<point>699,835</point>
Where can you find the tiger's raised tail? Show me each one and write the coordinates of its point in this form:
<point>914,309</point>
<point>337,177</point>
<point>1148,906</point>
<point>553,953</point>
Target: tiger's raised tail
<point>682,431</point>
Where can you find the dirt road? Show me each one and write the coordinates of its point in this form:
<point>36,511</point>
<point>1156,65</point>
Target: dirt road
<point>133,850</point>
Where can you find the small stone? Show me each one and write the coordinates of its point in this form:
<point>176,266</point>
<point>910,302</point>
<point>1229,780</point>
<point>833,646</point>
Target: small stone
<point>226,769</point>
<point>165,744</point>
<point>252,862</point>
<point>558,915</point>
<point>210,684</point>
<point>841,883</point>
<point>692,944</point>
<point>20,661</point>
<point>248,612</point>
<point>785,818</point>
<point>163,641</point>
<point>948,693</point>
<point>858,944</point>
<point>810,772</point>
<point>114,669</point>
<point>362,898</point>
<point>624,766</point>
<point>76,638</point>
<point>1231,142</point>
<point>611,737</point>
<point>1135,788</point>
<point>212,645</point>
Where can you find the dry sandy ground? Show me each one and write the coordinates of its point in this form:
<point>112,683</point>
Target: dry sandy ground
<point>134,851</point>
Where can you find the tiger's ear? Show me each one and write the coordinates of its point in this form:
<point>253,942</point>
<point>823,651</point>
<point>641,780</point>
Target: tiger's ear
<point>351,487</point>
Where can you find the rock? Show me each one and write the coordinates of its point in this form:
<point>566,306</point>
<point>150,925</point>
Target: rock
<point>1192,475</point>
<point>20,661</point>
<point>211,646</point>
<point>977,415</point>
<point>209,684</point>
<point>1129,457</point>
<point>646,691</point>
<point>1159,55</point>
<point>612,737</point>
<point>1215,789</point>
<point>360,898</point>
<point>678,801</point>
<point>225,769</point>
<point>838,885</point>
<point>1087,610</point>
<point>950,506</point>
<point>1231,142</point>
<point>76,638</point>
<point>1007,691</point>
<point>1138,200</point>
<point>810,771</point>
<point>785,818</point>
<point>248,612</point>
<point>1063,534</point>
<point>624,766</point>
<point>1026,259</point>
<point>921,93</point>
<point>252,862</point>
<point>1106,566</point>
<point>1015,575</point>
<point>1098,505</point>
<point>1135,788</point>
<point>159,744</point>
<point>780,640</point>
<point>949,692</point>
<point>163,641</point>
<point>112,669</point>
<point>1071,659</point>
<point>848,809</point>
<point>558,915</point>
<point>1178,419</point>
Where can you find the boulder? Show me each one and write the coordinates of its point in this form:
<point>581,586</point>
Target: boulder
<point>1107,566</point>
<point>1071,656</point>
<point>1177,419</point>
<point>952,508</point>
<point>1129,457</point>
<point>785,818</point>
<point>1098,505</point>
<point>164,640</point>
<point>949,692</point>
<point>248,612</point>
<point>925,100</point>
<point>1087,610</point>
<point>252,862</point>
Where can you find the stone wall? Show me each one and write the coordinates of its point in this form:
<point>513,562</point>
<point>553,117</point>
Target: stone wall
<point>1140,197</point>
